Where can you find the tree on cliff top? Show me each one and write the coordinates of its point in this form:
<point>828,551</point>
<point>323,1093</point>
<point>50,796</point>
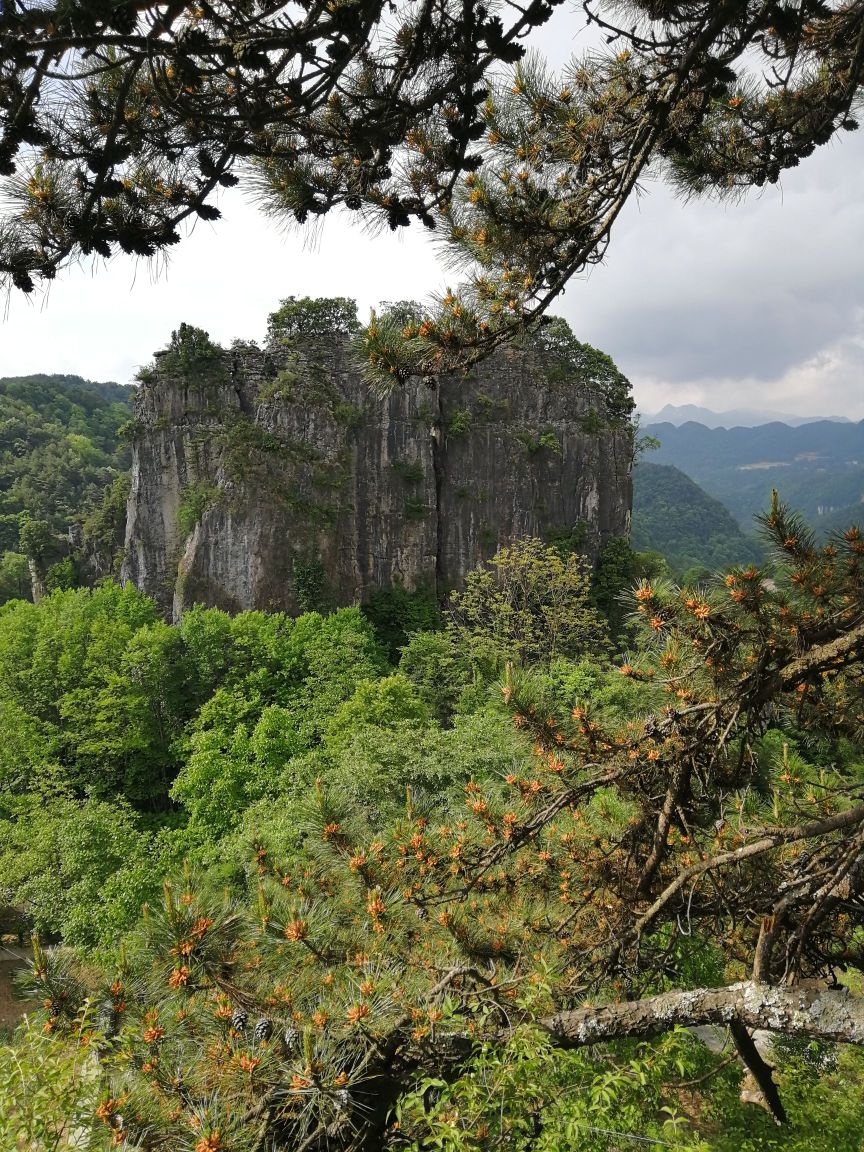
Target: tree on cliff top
<point>393,984</point>
<point>120,120</point>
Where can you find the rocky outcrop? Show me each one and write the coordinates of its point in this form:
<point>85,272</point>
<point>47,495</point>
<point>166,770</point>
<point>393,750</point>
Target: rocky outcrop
<point>264,477</point>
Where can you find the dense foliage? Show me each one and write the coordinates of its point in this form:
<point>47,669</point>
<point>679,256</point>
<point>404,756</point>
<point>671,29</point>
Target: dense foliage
<point>119,122</point>
<point>128,741</point>
<point>63,480</point>
<point>321,317</point>
<point>406,884</point>
<point>530,605</point>
<point>108,713</point>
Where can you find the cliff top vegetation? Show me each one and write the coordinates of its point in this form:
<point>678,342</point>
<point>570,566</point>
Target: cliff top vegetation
<point>562,359</point>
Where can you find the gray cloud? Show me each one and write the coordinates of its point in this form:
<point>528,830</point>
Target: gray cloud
<point>828,384</point>
<point>702,294</point>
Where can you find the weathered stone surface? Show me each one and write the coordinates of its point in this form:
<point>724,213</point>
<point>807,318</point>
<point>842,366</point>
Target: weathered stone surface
<point>272,462</point>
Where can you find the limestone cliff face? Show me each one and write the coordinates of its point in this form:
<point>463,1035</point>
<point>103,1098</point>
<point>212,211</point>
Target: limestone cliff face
<point>262,470</point>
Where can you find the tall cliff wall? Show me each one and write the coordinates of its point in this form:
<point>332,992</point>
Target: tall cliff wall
<point>253,469</point>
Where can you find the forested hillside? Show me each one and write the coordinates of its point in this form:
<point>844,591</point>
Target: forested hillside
<point>696,534</point>
<point>425,850</point>
<point>817,468</point>
<point>63,479</point>
<point>127,744</point>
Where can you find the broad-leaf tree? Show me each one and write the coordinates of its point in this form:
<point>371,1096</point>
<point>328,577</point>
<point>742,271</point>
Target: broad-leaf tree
<point>528,605</point>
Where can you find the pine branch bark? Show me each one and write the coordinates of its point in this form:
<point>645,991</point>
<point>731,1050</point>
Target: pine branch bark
<point>817,1014</point>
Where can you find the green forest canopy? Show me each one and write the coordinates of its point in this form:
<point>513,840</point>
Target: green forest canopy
<point>63,467</point>
<point>406,884</point>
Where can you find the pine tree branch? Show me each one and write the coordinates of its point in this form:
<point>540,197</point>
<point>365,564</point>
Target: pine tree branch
<point>830,656</point>
<point>762,1072</point>
<point>772,839</point>
<point>679,781</point>
<point>817,1014</point>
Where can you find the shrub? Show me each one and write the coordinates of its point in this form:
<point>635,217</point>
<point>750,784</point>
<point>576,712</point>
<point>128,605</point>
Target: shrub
<point>194,502</point>
<point>460,422</point>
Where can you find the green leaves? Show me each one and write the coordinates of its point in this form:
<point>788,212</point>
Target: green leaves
<point>315,317</point>
<point>527,1095</point>
<point>529,605</point>
<point>81,868</point>
<point>219,781</point>
<point>380,703</point>
<point>49,1090</point>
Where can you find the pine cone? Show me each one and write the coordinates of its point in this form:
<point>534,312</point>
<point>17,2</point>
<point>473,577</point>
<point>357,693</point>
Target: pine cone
<point>239,1020</point>
<point>291,1038</point>
<point>263,1031</point>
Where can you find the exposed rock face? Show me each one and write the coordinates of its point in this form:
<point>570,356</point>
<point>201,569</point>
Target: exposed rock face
<point>260,472</point>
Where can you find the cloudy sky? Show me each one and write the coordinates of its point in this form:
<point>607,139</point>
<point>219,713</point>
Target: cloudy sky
<point>757,304</point>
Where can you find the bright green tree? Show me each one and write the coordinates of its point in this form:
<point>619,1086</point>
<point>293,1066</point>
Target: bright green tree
<point>529,604</point>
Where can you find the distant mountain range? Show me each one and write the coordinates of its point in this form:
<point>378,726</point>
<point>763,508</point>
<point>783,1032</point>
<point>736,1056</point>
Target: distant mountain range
<point>733,418</point>
<point>817,468</point>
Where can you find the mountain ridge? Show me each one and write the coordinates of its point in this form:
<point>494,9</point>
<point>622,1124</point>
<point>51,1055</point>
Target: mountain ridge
<point>817,468</point>
<point>673,515</point>
<point>679,414</point>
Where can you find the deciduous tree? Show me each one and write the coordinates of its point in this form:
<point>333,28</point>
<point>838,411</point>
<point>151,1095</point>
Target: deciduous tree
<point>529,604</point>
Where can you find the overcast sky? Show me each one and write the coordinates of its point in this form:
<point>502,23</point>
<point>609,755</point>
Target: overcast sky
<point>757,304</point>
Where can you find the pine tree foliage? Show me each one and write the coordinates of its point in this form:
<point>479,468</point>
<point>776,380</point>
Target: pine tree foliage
<point>405,968</point>
<point>119,122</point>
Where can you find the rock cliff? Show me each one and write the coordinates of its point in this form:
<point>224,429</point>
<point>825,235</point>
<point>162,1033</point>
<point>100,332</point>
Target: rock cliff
<point>264,477</point>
